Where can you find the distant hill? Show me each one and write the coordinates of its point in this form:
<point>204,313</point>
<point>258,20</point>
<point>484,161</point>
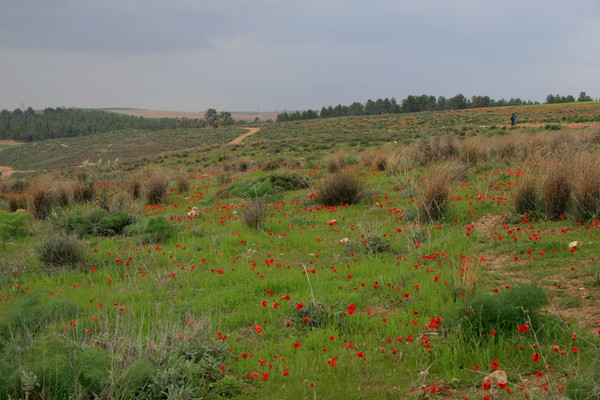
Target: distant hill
<point>138,112</point>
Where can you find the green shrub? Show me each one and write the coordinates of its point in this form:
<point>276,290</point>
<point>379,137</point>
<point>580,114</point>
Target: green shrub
<point>97,221</point>
<point>553,127</point>
<point>50,359</point>
<point>63,250</point>
<point>288,181</point>
<point>370,244</point>
<point>94,367</point>
<point>136,377</point>
<point>252,189</point>
<point>155,229</point>
<point>316,314</point>
<point>340,189</point>
<point>29,315</point>
<point>502,312</point>
<point>13,225</point>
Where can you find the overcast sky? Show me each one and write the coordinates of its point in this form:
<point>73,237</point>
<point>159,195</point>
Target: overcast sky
<point>249,55</point>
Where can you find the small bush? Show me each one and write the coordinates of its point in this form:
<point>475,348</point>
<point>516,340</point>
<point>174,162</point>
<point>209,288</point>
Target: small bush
<point>13,225</point>
<point>94,365</point>
<point>289,181</point>
<point>61,250</point>
<point>97,221</point>
<point>316,314</point>
<point>370,244</point>
<point>251,189</point>
<point>155,229</point>
<point>340,189</point>
<point>49,358</point>
<point>136,377</point>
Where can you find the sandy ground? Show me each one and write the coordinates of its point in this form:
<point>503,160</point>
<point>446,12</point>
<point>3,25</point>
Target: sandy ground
<point>6,172</point>
<point>181,114</point>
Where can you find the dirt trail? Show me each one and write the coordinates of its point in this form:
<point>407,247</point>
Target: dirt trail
<point>6,172</point>
<point>592,124</point>
<point>238,140</point>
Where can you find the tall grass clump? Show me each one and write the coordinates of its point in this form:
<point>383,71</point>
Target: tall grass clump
<point>43,196</point>
<point>13,225</point>
<point>526,199</point>
<point>339,189</point>
<point>434,200</point>
<point>254,213</point>
<point>556,191</point>
<point>336,162</point>
<point>61,250</point>
<point>155,183</point>
<point>586,188</point>
<point>471,151</point>
<point>82,191</point>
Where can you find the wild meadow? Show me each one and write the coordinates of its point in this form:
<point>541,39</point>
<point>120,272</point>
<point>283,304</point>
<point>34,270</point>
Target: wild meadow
<point>420,256</point>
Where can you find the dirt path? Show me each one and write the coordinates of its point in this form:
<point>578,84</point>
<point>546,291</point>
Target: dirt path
<point>592,124</point>
<point>6,172</point>
<point>238,140</point>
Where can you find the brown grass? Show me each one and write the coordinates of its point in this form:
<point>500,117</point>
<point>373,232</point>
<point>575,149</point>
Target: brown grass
<point>586,187</point>
<point>556,191</point>
<point>339,189</point>
<point>435,196</point>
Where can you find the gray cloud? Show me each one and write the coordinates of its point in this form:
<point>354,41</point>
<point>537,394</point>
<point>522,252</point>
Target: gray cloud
<point>277,54</point>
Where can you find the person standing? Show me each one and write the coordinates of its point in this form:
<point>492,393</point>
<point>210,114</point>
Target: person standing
<point>513,119</point>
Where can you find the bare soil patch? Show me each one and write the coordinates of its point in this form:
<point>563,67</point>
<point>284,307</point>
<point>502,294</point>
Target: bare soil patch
<point>238,140</point>
<point>593,124</point>
<point>6,172</point>
<point>583,297</point>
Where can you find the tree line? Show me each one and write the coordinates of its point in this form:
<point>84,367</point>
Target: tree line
<point>30,125</point>
<point>414,103</point>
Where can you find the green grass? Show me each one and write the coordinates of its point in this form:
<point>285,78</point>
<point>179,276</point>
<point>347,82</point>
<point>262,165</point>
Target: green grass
<point>217,305</point>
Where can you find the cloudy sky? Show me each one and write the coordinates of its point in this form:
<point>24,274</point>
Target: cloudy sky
<point>249,55</point>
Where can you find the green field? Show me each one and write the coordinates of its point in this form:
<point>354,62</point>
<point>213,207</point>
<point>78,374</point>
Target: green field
<point>453,258</point>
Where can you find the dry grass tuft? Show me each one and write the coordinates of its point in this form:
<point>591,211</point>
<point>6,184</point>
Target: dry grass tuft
<point>435,196</point>
<point>254,213</point>
<point>556,191</point>
<point>526,199</point>
<point>340,189</point>
<point>586,187</point>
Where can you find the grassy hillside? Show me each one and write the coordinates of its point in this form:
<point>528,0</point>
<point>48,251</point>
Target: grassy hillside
<point>405,256</point>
